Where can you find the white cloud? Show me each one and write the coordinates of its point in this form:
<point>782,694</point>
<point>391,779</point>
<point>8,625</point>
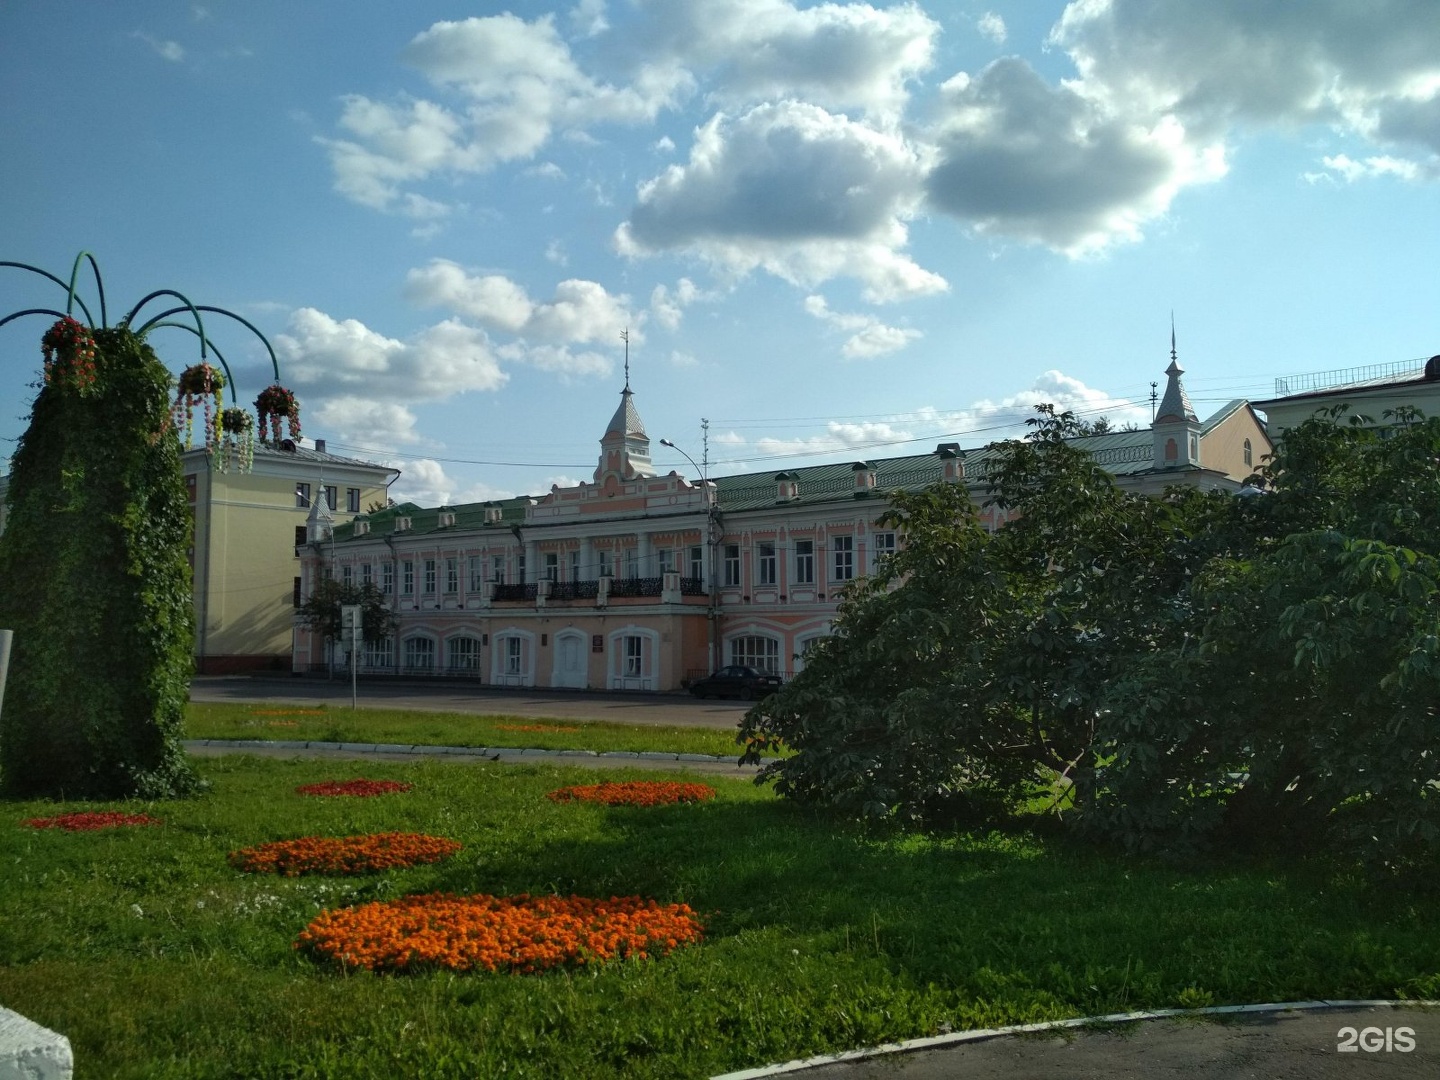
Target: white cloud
<point>422,481</point>
<point>683,359</point>
<point>1371,167</point>
<point>581,311</point>
<point>835,55</point>
<point>366,422</point>
<point>334,358</point>
<point>1049,165</point>
<point>587,18</point>
<point>794,190</point>
<point>669,306</point>
<point>547,170</point>
<point>555,253</point>
<point>992,26</point>
<point>730,438</point>
<point>869,338</point>
<point>664,145</point>
<point>167,50</point>
<point>1063,391</point>
<point>838,436</point>
<point>560,360</point>
<point>517,83</point>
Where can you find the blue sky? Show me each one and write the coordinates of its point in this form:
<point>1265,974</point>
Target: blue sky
<point>835,231</point>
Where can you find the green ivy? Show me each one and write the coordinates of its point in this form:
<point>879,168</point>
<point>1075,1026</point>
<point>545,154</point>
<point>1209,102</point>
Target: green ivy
<point>97,589</point>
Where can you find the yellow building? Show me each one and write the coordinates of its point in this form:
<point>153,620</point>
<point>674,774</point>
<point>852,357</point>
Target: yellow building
<point>247,525</point>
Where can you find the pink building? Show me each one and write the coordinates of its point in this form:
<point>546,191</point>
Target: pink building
<point>638,582</point>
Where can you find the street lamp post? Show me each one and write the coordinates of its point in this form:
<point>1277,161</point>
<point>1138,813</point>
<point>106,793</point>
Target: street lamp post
<point>713,534</point>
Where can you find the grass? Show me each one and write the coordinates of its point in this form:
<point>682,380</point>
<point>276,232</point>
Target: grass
<point>318,723</point>
<point>159,961</point>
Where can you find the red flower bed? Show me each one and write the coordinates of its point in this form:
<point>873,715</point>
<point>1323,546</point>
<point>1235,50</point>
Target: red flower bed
<point>498,933</point>
<point>85,821</point>
<point>634,793</point>
<point>343,855</point>
<point>360,788</point>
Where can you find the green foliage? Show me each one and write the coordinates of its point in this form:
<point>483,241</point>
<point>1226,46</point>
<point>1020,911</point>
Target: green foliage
<point>1189,671</point>
<point>321,612</point>
<point>97,588</point>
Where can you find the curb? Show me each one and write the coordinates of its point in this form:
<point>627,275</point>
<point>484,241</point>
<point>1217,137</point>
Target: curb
<point>982,1034</point>
<point>475,751</point>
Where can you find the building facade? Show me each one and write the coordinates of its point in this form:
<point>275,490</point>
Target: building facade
<point>243,550</point>
<point>636,581</point>
<point>1373,393</point>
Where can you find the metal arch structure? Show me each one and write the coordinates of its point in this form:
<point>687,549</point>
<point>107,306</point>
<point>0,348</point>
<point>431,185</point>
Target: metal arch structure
<point>73,300</point>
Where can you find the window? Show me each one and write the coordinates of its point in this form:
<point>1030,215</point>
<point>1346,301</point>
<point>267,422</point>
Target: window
<point>844,567</point>
<point>301,535</point>
<point>407,578</point>
<point>732,565</point>
<point>697,562</point>
<point>755,651</point>
<point>634,655</point>
<point>420,654</point>
<point>632,564</point>
<point>1195,448</point>
<point>429,577</point>
<point>1171,450</point>
<point>497,569</point>
<point>552,566</point>
<point>514,656</point>
<point>463,653</point>
<point>347,575</point>
<point>352,500</point>
<point>804,562</point>
<point>380,654</point>
<point>1249,453</point>
<point>331,498</point>
<point>575,565</point>
<point>882,545</point>
<point>302,496</point>
<point>387,577</point>
<point>452,575</point>
<point>367,575</point>
<point>477,575</point>
<point>667,560</point>
<point>606,569</point>
<point>520,568</point>
<point>295,594</point>
<point>765,563</point>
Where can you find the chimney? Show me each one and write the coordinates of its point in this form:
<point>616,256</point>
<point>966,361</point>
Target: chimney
<point>320,446</point>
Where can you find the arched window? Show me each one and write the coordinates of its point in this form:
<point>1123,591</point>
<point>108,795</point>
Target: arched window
<point>1171,450</point>
<point>419,655</point>
<point>753,650</point>
<point>462,655</point>
<point>1248,453</point>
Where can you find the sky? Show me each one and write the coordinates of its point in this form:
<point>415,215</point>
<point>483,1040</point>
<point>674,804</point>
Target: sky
<point>835,231</point>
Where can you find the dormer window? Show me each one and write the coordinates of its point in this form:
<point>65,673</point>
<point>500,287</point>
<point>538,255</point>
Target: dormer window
<point>402,524</point>
<point>787,487</point>
<point>864,477</point>
<point>447,517</point>
<point>492,515</point>
<point>361,527</point>
<point>952,462</point>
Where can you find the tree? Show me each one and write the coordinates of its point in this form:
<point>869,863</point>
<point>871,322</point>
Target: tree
<point>321,612</point>
<point>96,584</point>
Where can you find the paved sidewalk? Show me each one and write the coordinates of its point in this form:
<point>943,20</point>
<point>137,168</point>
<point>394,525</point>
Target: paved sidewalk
<point>701,763</point>
<point>1284,1044</point>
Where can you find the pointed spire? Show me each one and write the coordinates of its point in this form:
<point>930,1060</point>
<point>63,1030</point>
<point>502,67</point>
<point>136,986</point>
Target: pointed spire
<point>625,337</point>
<point>1175,405</point>
<point>1172,337</point>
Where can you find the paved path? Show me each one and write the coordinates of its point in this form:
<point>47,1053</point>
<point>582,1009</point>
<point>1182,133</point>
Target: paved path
<point>587,759</point>
<point>668,710</point>
<point>1288,1045</point>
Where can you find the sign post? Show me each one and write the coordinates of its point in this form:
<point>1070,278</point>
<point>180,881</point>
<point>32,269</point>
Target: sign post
<point>352,635</point>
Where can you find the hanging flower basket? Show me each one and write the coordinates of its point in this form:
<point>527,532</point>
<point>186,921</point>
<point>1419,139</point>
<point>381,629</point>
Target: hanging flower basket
<point>69,352</point>
<point>202,385</point>
<point>237,441</point>
<point>274,404</point>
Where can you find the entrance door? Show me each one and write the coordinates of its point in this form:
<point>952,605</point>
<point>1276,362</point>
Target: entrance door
<point>569,660</point>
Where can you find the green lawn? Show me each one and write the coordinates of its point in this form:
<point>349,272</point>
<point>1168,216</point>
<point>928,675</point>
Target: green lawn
<point>411,726</point>
<point>157,960</point>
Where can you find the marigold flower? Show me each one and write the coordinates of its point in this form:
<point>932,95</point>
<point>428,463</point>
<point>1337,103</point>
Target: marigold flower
<point>343,855</point>
<point>511,933</point>
<point>634,793</point>
<point>85,821</point>
<point>359,788</point>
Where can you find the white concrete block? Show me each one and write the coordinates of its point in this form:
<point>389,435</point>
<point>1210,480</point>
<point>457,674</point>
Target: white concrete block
<point>31,1052</point>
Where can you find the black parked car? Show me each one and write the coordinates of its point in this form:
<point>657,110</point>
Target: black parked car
<point>736,681</point>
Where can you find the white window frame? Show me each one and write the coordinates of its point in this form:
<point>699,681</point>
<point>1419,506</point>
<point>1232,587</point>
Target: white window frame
<point>842,563</point>
<point>732,575</point>
<point>476,573</point>
<point>617,658</point>
<point>407,577</point>
<point>756,649</point>
<point>387,577</point>
<point>882,544</point>
<point>410,650</point>
<point>766,565</point>
<point>462,647</point>
<point>502,671</point>
<point>452,576</point>
<point>430,577</point>
<point>697,562</point>
<point>804,562</point>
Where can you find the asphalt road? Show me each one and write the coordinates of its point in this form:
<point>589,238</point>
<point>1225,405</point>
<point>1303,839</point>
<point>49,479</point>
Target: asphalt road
<point>1291,1045</point>
<point>669,710</point>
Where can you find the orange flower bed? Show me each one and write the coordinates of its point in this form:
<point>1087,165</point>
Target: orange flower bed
<point>343,855</point>
<point>86,821</point>
<point>634,793</point>
<point>498,933</point>
<point>533,727</point>
<point>360,788</point>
